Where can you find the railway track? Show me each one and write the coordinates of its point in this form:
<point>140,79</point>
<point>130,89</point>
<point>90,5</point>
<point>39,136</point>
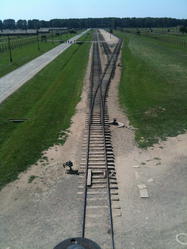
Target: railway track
<point>99,189</point>
<point>105,46</point>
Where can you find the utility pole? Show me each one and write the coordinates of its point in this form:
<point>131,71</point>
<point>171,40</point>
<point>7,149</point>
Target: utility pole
<point>38,40</point>
<point>53,36</point>
<point>10,50</point>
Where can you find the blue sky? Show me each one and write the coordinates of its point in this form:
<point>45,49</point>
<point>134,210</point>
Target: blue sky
<point>48,9</point>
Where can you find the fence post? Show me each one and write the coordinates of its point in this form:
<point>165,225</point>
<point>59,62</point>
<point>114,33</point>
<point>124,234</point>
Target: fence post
<point>10,50</point>
<point>38,41</point>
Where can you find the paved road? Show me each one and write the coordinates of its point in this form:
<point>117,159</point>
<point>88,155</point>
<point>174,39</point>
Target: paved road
<point>12,81</point>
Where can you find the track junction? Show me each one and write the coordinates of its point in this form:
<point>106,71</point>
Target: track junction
<point>99,188</point>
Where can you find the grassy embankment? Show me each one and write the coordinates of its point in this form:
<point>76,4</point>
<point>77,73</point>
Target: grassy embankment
<point>153,88</point>
<point>173,37</point>
<point>47,102</point>
<point>28,52</point>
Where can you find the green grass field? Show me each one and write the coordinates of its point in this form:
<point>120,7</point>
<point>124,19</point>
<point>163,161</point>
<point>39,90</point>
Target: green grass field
<point>64,37</point>
<point>174,37</point>
<point>27,53</point>
<point>47,102</point>
<point>153,88</point>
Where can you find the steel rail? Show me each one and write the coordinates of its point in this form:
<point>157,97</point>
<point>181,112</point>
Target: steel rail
<point>103,112</point>
<point>103,94</point>
<point>88,150</point>
<point>105,46</point>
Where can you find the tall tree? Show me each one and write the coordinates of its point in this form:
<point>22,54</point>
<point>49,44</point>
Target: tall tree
<point>183,29</point>
<point>34,24</point>
<point>9,24</point>
<point>110,22</point>
<point>21,24</point>
<point>44,24</point>
<point>1,25</point>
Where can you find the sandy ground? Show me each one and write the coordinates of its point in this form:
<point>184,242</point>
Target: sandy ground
<point>109,38</point>
<point>42,213</point>
<point>159,221</point>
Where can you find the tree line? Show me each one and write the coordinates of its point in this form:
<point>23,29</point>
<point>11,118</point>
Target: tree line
<point>114,23</point>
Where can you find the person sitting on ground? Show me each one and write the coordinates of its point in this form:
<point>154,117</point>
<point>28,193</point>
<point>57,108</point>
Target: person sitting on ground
<point>68,164</point>
<point>115,121</point>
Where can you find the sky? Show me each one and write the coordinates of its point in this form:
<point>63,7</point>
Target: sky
<point>49,9</point>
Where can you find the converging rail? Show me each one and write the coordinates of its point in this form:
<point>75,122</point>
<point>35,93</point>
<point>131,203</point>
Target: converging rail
<point>105,46</point>
<point>98,189</point>
<point>97,169</point>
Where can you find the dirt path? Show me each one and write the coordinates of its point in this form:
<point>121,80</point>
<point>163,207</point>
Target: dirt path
<point>109,38</point>
<point>155,222</point>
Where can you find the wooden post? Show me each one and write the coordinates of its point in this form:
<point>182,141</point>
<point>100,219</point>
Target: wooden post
<point>10,50</point>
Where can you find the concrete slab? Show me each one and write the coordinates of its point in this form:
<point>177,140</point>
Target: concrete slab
<point>89,180</point>
<point>143,190</point>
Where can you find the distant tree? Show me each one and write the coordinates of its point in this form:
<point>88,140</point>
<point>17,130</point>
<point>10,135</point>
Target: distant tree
<point>1,25</point>
<point>21,24</point>
<point>30,24</point>
<point>113,23</point>
<point>109,22</point>
<point>72,31</point>
<point>33,24</point>
<point>9,24</point>
<point>183,29</point>
<point>184,22</point>
<point>58,23</point>
<point>44,24</point>
<point>44,38</point>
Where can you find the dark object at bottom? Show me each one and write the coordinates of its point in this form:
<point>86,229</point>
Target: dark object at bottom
<point>77,243</point>
<point>115,121</point>
<point>72,172</point>
<point>68,164</point>
<point>18,120</point>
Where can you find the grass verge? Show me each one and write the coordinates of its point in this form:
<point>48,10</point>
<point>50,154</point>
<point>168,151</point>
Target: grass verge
<point>27,53</point>
<point>153,88</point>
<point>48,102</point>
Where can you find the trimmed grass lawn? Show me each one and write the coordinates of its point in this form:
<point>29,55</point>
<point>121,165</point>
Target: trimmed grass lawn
<point>153,88</point>
<point>48,102</point>
<point>27,53</point>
